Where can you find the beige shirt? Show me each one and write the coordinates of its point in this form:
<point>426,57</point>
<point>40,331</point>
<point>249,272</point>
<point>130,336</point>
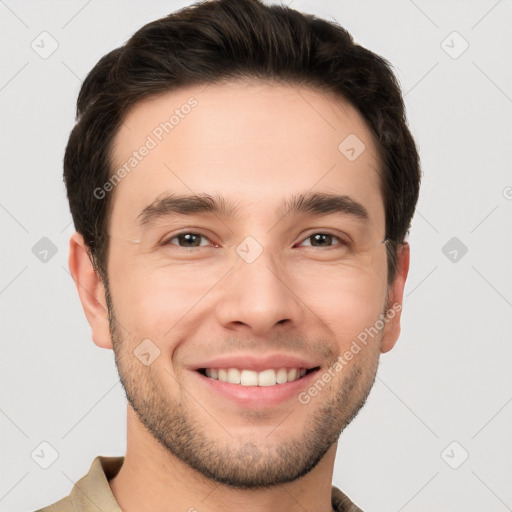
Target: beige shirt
<point>92,492</point>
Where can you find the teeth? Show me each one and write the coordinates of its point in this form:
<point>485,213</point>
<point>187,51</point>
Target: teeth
<point>249,378</point>
<point>282,376</point>
<point>268,377</point>
<point>293,374</point>
<point>234,376</point>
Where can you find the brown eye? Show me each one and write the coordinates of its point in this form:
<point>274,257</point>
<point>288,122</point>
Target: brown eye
<point>323,240</point>
<point>187,240</point>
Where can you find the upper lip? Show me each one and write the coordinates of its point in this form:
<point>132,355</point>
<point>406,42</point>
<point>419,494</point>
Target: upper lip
<point>260,363</point>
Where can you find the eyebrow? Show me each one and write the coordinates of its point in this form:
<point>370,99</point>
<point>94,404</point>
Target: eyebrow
<point>318,204</point>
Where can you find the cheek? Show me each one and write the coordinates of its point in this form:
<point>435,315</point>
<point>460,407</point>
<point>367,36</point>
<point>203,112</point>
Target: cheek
<point>347,304</point>
<point>152,302</point>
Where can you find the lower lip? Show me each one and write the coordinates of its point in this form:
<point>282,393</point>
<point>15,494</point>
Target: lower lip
<point>258,396</point>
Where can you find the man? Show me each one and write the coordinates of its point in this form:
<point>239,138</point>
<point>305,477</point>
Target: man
<point>242,180</point>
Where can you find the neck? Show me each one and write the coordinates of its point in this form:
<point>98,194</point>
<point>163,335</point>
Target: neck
<point>153,479</point>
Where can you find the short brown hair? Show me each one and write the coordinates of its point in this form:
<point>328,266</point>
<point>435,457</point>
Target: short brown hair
<point>220,40</point>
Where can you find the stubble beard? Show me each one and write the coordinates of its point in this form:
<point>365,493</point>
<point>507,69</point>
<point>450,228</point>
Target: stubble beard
<point>238,463</point>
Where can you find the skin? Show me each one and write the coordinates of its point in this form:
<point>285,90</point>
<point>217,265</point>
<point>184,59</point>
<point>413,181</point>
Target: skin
<point>255,144</point>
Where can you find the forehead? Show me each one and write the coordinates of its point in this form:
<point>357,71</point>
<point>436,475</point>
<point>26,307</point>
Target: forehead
<point>254,143</point>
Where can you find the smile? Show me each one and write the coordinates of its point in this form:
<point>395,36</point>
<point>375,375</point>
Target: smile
<point>268,377</point>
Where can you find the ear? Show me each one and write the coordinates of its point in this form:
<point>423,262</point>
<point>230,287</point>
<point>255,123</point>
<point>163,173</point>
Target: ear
<point>391,329</point>
<point>90,290</point>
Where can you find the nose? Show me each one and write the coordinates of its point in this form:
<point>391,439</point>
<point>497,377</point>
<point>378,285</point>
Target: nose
<point>258,297</point>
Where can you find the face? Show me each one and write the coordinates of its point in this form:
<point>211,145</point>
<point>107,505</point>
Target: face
<point>282,266</point>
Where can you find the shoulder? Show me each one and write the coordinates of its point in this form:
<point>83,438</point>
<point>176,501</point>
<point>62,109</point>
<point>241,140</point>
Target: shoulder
<point>92,492</point>
<point>63,505</point>
<point>341,502</point>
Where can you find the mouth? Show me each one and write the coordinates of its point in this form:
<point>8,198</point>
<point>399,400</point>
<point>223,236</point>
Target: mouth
<point>250,378</point>
<point>244,392</point>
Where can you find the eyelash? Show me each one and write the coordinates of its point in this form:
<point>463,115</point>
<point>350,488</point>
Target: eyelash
<point>168,241</point>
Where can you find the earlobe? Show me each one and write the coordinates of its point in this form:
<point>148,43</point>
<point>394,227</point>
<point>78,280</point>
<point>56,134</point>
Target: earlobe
<point>391,330</point>
<point>90,290</point>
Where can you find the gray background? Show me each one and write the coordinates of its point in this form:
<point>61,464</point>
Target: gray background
<point>447,380</point>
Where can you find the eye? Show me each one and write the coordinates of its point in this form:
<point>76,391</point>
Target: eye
<point>323,240</point>
<point>187,240</point>
<point>191,240</point>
